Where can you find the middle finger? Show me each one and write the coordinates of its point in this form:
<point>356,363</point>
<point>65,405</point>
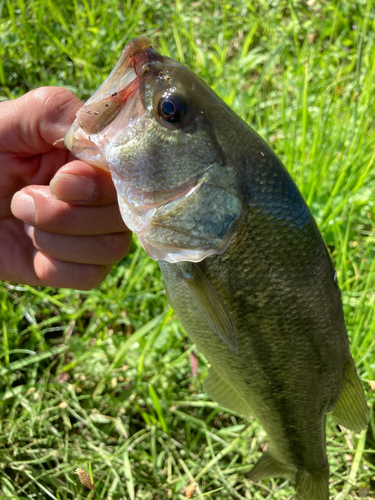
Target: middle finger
<point>36,206</point>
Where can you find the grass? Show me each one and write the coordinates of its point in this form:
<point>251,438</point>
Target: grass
<point>102,380</point>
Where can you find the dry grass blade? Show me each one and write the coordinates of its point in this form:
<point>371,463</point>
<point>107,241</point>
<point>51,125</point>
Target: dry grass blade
<point>85,479</point>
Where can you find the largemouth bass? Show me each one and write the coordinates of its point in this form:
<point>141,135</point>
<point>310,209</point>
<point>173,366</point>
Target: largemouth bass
<point>244,264</point>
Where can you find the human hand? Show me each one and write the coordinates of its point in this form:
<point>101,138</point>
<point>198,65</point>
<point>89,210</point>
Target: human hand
<point>75,232</point>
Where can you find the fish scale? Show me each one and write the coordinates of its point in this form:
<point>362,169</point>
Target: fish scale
<point>244,264</point>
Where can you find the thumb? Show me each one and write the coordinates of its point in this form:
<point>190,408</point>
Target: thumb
<point>33,122</point>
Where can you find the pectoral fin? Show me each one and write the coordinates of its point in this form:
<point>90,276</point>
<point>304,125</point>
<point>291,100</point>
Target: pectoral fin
<point>351,409</point>
<point>223,392</point>
<point>210,304</point>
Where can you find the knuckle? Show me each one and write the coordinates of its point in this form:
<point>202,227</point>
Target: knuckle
<point>95,275</point>
<point>110,248</point>
<point>39,95</point>
<point>56,273</point>
<point>42,95</point>
<point>118,246</point>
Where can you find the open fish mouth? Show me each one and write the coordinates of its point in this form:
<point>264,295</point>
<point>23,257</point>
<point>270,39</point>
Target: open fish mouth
<point>104,116</point>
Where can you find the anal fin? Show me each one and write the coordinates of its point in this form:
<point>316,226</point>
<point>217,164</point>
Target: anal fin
<point>351,409</point>
<point>224,393</point>
<point>267,466</point>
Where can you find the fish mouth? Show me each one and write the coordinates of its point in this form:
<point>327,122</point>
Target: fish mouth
<point>90,132</point>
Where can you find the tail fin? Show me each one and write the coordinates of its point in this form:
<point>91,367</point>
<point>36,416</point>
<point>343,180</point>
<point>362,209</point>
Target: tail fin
<point>313,486</point>
<point>309,486</point>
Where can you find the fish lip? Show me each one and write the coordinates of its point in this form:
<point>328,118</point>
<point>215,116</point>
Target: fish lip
<point>88,130</point>
<point>105,104</point>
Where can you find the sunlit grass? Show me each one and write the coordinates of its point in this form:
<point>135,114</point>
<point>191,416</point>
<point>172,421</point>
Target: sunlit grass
<point>104,377</point>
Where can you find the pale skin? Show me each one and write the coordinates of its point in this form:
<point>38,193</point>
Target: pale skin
<point>74,233</point>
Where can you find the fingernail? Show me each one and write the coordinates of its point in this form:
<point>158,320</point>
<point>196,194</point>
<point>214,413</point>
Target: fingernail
<point>29,230</point>
<point>23,207</point>
<point>70,187</point>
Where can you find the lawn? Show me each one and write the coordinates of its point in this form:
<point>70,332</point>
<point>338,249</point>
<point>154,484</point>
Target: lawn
<point>106,381</point>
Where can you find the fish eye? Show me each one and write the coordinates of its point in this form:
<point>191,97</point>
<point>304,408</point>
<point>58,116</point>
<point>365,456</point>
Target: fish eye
<point>172,108</point>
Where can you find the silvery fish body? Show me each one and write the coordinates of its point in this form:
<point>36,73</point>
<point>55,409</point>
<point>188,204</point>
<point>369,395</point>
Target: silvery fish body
<point>244,264</point>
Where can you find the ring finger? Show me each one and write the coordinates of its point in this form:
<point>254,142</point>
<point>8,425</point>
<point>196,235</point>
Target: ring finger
<point>98,250</point>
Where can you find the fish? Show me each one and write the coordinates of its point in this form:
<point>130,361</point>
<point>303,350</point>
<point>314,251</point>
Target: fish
<point>244,264</point>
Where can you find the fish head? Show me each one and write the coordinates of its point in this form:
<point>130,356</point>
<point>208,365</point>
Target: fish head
<point>152,125</point>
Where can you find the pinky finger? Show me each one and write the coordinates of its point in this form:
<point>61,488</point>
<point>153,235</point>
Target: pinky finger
<point>59,274</point>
